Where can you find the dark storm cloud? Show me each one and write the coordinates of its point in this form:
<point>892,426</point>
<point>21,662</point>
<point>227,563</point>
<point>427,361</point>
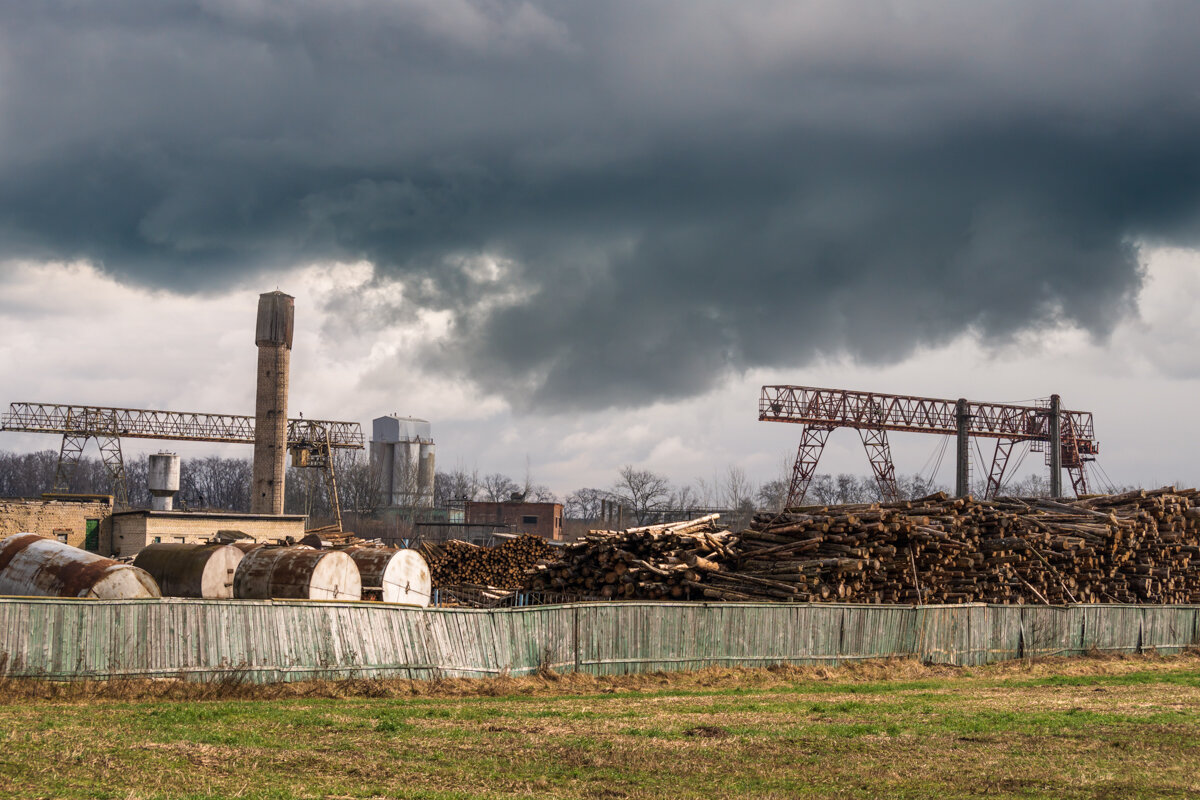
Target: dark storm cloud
<point>672,190</point>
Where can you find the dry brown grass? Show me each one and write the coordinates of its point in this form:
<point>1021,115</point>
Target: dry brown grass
<point>549,683</point>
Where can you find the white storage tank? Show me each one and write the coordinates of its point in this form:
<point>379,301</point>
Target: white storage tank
<point>191,570</point>
<point>297,573</point>
<point>33,566</point>
<point>394,576</point>
<point>162,478</point>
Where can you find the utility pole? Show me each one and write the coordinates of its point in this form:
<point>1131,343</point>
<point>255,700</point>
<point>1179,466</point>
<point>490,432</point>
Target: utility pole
<point>1055,446</point>
<point>962,421</point>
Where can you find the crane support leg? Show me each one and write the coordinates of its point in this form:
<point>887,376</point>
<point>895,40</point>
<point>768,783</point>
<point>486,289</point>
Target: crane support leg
<point>875,440</point>
<point>1004,448</point>
<point>812,442</point>
<point>110,453</point>
<point>69,455</point>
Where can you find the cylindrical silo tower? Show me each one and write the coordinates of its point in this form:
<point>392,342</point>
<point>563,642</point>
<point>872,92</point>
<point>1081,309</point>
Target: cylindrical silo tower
<point>162,478</point>
<point>402,452</point>
<point>273,335</point>
<point>425,474</point>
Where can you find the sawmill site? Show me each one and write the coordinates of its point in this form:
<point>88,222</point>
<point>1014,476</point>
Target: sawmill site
<point>904,627</point>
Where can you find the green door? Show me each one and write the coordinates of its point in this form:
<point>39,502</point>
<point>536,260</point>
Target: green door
<point>91,537</point>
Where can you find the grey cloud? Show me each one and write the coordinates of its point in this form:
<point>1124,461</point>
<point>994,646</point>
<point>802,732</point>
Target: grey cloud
<point>681,189</point>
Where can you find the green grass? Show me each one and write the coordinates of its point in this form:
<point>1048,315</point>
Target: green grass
<point>1127,728</point>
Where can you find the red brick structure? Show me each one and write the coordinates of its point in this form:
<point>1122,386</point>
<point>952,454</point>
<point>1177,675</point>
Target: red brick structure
<point>540,519</point>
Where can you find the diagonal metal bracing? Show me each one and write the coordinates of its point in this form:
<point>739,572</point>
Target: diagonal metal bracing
<point>69,454</point>
<point>872,414</point>
<point>1004,448</point>
<point>879,452</point>
<point>78,424</point>
<point>812,443</point>
<point>110,454</point>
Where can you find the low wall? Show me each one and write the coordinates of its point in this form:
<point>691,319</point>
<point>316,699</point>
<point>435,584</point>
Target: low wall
<point>295,640</point>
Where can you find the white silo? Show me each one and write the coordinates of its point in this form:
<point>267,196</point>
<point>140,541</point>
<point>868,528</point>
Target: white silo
<point>402,452</point>
<point>162,478</point>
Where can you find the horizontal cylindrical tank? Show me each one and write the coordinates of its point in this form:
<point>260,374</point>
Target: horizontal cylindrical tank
<point>397,576</point>
<point>33,566</point>
<point>191,570</point>
<point>297,572</point>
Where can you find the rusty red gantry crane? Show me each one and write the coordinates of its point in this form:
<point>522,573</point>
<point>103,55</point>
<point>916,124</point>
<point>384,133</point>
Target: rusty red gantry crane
<point>311,441</point>
<point>1067,437</point>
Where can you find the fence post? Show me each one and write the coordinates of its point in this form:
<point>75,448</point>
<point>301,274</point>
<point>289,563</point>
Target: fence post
<point>575,634</point>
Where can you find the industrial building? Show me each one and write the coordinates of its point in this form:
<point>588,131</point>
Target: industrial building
<point>402,454</point>
<point>541,519</point>
<point>133,530</point>
<point>80,520</point>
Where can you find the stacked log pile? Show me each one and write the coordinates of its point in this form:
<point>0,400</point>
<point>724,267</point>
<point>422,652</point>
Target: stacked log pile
<point>1138,547</point>
<point>657,562</point>
<point>456,563</point>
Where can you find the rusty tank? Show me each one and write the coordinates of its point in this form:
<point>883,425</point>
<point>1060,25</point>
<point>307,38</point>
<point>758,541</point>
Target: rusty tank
<point>34,566</point>
<point>297,573</point>
<point>191,570</point>
<point>393,576</point>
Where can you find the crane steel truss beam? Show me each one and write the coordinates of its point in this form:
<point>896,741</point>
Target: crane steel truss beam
<point>822,410</point>
<point>78,424</point>
<point>847,409</point>
<point>140,423</point>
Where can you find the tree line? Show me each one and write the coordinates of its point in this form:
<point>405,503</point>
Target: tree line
<point>219,483</point>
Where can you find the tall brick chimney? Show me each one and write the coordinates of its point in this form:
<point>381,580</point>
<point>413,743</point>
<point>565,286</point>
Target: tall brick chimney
<point>276,316</point>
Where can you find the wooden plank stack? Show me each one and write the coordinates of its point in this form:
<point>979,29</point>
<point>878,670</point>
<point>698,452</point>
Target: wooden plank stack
<point>1138,547</point>
<point>456,563</point>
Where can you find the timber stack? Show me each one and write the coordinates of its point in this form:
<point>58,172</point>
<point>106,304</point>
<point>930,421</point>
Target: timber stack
<point>656,562</point>
<point>457,563</point>
<point>1137,547</point>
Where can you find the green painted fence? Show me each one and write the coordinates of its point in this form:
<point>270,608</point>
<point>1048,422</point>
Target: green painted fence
<point>294,640</point>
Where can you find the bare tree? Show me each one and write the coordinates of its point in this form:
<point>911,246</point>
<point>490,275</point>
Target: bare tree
<point>360,483</point>
<point>684,498</point>
<point>772,495</point>
<point>642,491</point>
<point>584,503</point>
<point>735,487</point>
<point>456,486</point>
<point>498,487</point>
<point>540,493</point>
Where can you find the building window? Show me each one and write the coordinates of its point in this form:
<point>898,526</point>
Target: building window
<point>529,520</point>
<point>181,538</point>
<point>157,539</point>
<point>62,537</point>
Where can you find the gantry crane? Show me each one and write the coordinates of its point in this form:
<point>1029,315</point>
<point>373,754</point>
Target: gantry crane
<point>311,441</point>
<point>1067,437</point>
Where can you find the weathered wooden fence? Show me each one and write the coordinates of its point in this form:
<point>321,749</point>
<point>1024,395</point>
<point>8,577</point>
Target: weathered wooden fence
<point>294,640</point>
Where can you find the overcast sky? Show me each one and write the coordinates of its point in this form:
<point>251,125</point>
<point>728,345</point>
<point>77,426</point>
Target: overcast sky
<point>582,234</point>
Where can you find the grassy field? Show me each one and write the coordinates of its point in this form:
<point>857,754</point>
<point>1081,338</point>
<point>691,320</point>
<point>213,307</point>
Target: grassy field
<point>1086,728</point>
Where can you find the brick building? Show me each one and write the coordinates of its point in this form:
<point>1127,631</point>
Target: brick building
<point>80,520</point>
<point>541,519</point>
<point>133,530</point>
